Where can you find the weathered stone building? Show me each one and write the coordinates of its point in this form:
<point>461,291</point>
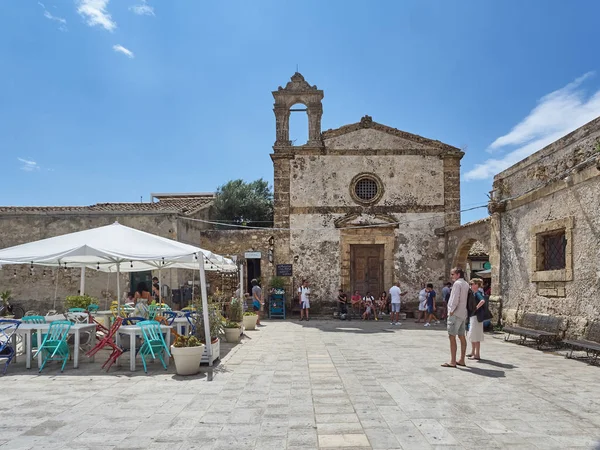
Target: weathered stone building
<point>545,231</point>
<point>365,203</point>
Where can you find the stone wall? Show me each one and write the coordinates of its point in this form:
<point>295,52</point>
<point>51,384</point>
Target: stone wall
<point>37,291</point>
<point>558,187</point>
<point>408,181</point>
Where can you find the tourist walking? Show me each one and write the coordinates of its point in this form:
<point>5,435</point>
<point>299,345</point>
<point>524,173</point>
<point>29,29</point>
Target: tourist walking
<point>475,334</point>
<point>257,300</point>
<point>431,306</point>
<point>395,295</point>
<point>422,305</point>
<point>457,316</point>
<point>445,297</point>
<point>304,293</point>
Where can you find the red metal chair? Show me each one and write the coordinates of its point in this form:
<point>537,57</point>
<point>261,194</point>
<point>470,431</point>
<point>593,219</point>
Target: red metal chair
<point>108,341</point>
<point>101,330</point>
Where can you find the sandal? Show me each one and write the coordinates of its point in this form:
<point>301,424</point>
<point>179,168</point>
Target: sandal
<point>461,365</point>
<point>448,365</point>
<point>473,358</point>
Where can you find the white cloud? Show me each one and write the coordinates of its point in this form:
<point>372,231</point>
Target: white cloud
<point>60,20</point>
<point>94,11</point>
<point>29,165</point>
<point>142,9</point>
<point>120,49</point>
<point>556,115</point>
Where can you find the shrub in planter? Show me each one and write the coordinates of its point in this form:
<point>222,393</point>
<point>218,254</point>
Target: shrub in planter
<point>236,310</point>
<point>187,352</point>
<point>277,284</point>
<point>250,319</point>
<point>5,297</point>
<point>79,301</point>
<point>232,331</point>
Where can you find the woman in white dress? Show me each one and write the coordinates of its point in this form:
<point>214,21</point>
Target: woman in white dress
<point>475,334</point>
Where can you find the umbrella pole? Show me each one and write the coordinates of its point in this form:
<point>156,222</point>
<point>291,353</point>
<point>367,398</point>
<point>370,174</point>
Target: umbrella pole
<point>203,292</point>
<point>242,282</point>
<point>56,288</point>
<point>107,288</point>
<point>118,288</point>
<point>82,282</point>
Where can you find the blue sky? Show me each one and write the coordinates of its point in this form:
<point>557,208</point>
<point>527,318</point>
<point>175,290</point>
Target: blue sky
<point>107,101</point>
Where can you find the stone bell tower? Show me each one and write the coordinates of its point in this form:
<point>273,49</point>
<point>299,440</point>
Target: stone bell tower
<point>297,90</point>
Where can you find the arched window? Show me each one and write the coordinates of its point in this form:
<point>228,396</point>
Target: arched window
<point>298,125</point>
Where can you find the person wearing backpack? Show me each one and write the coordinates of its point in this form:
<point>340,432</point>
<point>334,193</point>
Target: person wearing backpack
<point>475,334</point>
<point>457,317</point>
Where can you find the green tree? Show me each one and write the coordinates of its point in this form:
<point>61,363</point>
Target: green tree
<point>245,203</point>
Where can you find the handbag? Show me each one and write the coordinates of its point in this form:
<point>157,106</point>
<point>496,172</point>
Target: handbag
<point>484,313</point>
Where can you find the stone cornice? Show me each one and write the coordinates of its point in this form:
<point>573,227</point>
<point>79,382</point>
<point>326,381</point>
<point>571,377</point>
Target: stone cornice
<point>367,122</point>
<point>376,209</point>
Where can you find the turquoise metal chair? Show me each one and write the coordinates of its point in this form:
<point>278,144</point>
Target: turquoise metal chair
<point>34,319</point>
<point>154,342</point>
<point>152,311</point>
<point>93,308</point>
<point>55,343</point>
<point>76,310</point>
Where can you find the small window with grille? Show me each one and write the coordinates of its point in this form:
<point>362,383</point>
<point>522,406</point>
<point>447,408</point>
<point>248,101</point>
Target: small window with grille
<point>551,248</point>
<point>366,189</point>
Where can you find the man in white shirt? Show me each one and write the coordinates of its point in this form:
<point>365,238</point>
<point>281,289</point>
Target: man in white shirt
<point>395,294</point>
<point>457,316</point>
<point>304,294</point>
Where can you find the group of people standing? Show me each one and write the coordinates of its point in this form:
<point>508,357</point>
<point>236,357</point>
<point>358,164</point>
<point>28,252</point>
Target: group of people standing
<point>458,314</point>
<point>453,309</point>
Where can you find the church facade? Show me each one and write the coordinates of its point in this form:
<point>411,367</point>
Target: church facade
<point>363,205</point>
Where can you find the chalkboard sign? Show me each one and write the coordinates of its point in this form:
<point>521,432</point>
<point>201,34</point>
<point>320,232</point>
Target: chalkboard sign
<point>283,270</point>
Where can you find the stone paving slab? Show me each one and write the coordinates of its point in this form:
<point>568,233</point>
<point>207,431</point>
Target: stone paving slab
<point>321,384</point>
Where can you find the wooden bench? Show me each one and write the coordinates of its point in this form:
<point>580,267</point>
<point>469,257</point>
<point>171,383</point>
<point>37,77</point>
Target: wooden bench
<point>591,343</point>
<point>541,328</point>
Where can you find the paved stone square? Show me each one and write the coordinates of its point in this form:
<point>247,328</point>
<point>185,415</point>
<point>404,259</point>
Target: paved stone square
<point>321,384</point>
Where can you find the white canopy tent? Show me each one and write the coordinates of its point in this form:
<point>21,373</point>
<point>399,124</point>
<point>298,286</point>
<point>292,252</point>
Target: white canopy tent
<point>117,248</point>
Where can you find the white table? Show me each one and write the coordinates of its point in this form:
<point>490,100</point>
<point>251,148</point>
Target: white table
<point>132,331</point>
<point>182,325</point>
<point>27,329</point>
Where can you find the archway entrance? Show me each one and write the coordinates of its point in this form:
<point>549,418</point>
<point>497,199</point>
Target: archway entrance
<point>473,257</point>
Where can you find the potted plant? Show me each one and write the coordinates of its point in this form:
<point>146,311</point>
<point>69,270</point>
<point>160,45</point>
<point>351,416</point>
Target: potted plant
<point>5,297</point>
<point>250,319</point>
<point>187,353</point>
<point>277,285</point>
<point>79,301</point>
<point>215,324</point>
<point>232,331</point>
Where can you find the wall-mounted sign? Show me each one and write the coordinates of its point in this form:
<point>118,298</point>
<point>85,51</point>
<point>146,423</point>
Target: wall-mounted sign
<point>252,255</point>
<point>283,270</point>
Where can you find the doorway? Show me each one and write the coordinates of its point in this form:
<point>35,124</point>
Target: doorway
<point>140,277</point>
<point>366,269</point>
<point>253,271</point>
